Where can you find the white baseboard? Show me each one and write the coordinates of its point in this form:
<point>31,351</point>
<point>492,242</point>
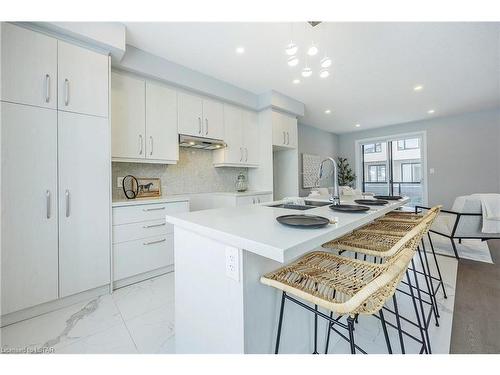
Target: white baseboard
<point>141,277</point>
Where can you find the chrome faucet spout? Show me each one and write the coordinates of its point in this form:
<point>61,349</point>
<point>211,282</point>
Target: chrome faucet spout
<point>335,197</point>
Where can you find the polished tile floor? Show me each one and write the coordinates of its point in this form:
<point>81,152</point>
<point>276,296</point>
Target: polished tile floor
<point>140,319</point>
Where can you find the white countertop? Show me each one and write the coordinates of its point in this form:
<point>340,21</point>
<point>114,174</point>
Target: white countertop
<point>241,193</point>
<point>255,229</point>
<point>139,201</point>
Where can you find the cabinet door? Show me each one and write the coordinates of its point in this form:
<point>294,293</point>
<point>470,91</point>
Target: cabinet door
<point>190,113</point>
<point>290,127</point>
<point>213,119</point>
<point>128,119</point>
<point>245,201</point>
<point>29,67</point>
<point>83,80</point>
<point>251,137</point>
<point>279,133</point>
<point>233,135</point>
<point>84,202</point>
<point>161,123</point>
<point>29,207</point>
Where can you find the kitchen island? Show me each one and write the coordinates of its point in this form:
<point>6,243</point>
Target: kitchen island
<point>220,255</point>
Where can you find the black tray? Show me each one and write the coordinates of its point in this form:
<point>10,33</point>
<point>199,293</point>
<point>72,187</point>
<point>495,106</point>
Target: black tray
<point>388,197</point>
<point>303,221</point>
<point>371,202</point>
<point>348,208</point>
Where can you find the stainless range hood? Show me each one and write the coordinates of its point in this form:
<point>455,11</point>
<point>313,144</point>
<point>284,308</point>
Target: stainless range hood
<point>200,143</point>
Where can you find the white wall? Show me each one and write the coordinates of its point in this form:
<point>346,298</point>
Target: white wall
<point>317,142</point>
<point>463,150</point>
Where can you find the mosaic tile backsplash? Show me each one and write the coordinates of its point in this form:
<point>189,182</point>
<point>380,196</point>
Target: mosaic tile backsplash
<point>194,173</point>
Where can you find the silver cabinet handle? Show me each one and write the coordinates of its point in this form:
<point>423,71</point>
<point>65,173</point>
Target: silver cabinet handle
<point>288,138</point>
<point>66,91</point>
<point>154,225</point>
<point>47,195</point>
<point>246,154</point>
<point>199,125</point>
<point>258,199</point>
<point>47,88</point>
<point>151,141</point>
<point>284,138</point>
<point>140,144</point>
<point>153,209</point>
<point>253,200</point>
<point>66,194</point>
<point>241,153</point>
<point>153,242</point>
<point>206,126</point>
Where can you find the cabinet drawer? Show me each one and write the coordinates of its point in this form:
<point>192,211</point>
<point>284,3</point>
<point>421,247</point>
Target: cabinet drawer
<point>136,257</point>
<point>135,231</point>
<point>147,212</point>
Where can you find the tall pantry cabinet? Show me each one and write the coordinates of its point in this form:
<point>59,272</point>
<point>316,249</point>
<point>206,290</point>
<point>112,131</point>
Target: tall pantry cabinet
<point>55,176</point>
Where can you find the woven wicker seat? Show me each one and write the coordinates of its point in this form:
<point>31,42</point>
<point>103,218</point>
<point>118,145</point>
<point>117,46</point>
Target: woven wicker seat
<point>402,217</point>
<point>391,228</point>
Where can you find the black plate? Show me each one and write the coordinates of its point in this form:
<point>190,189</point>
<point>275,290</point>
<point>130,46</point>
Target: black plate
<point>388,197</point>
<point>303,221</point>
<point>349,208</point>
<point>371,202</point>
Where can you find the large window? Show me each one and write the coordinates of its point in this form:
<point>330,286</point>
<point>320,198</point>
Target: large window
<point>411,172</point>
<point>376,173</point>
<point>372,148</point>
<point>408,144</point>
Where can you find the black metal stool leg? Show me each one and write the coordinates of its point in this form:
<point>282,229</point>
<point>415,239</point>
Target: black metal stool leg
<point>424,320</point>
<point>280,322</point>
<point>437,264</point>
<point>422,334</point>
<point>328,330</point>
<point>428,284</point>
<point>384,328</point>
<point>350,325</point>
<point>398,323</point>
<point>454,248</point>
<point>315,330</point>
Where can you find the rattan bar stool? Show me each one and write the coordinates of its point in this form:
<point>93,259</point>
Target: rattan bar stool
<point>345,286</point>
<point>378,244</point>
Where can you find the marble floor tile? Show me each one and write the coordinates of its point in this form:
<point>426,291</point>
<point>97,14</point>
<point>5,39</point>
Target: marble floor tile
<point>115,340</point>
<point>152,331</point>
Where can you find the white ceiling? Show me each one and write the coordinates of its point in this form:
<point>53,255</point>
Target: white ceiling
<point>376,65</point>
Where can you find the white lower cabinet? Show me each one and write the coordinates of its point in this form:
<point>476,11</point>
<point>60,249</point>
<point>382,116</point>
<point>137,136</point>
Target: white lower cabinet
<point>142,240</point>
<point>253,199</point>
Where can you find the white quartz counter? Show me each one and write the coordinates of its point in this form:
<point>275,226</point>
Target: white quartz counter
<point>138,201</point>
<point>254,227</point>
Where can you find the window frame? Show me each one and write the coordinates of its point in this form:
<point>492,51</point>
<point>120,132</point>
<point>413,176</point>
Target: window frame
<point>376,172</point>
<point>404,147</point>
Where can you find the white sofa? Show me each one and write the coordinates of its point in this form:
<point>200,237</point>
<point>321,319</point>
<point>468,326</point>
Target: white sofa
<point>463,221</point>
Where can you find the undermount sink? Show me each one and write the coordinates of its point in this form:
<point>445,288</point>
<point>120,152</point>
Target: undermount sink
<point>317,203</point>
<point>302,207</point>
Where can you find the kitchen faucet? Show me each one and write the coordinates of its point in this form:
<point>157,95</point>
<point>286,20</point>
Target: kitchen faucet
<point>335,198</point>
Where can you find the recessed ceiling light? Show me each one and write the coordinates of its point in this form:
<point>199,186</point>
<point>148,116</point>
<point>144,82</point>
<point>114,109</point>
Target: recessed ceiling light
<point>431,111</point>
<point>312,51</point>
<point>324,73</point>
<point>306,72</point>
<point>240,50</point>
<point>327,111</point>
<point>326,62</point>
<point>357,125</point>
<point>296,81</point>
<point>418,88</point>
<point>291,49</point>
<point>293,60</point>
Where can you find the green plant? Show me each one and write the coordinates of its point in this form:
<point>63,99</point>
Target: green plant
<point>346,176</point>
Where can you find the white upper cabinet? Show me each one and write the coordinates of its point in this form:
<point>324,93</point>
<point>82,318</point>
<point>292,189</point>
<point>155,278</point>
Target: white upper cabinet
<point>213,119</point>
<point>241,135</point>
<point>128,119</point>
<point>83,80</point>
<point>284,130</point>
<point>200,117</point>
<point>190,114</point>
<point>161,123</point>
<point>251,137</point>
<point>29,67</point>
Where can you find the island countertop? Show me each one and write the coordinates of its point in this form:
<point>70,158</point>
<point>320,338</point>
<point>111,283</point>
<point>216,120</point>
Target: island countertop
<point>254,227</point>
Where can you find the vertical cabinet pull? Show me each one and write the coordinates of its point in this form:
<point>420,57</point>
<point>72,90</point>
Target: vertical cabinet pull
<point>47,88</point>
<point>47,196</point>
<point>206,126</point>
<point>287,138</point>
<point>241,153</point>
<point>246,154</point>
<point>151,141</point>
<point>253,200</point>
<point>284,138</point>
<point>140,144</point>
<point>68,201</point>
<point>199,125</point>
<point>66,92</point>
